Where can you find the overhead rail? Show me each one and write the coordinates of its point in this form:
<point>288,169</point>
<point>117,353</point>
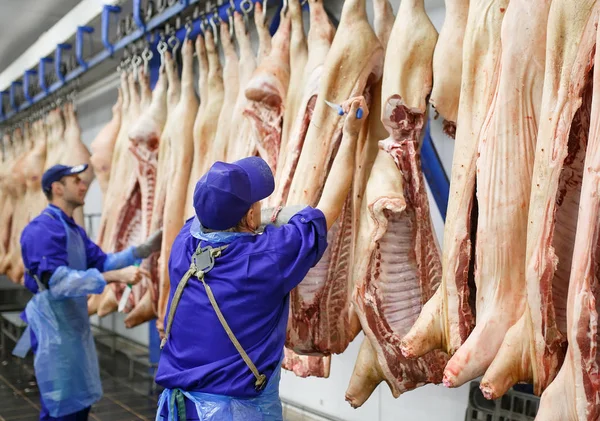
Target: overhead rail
<point>204,12</point>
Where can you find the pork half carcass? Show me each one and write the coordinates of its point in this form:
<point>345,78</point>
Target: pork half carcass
<point>107,195</point>
<point>12,265</point>
<point>447,319</point>
<point>212,95</point>
<point>103,145</point>
<point>400,265</point>
<point>124,219</point>
<point>574,395</point>
<point>298,57</point>
<point>145,139</point>
<point>447,64</point>
<point>76,153</point>
<point>6,212</point>
<point>504,170</point>
<point>266,93</point>
<point>534,347</point>
<point>34,169</point>
<point>238,133</point>
<point>246,143</point>
<point>231,87</point>
<point>155,262</point>
<point>320,37</point>
<point>182,150</point>
<point>321,318</point>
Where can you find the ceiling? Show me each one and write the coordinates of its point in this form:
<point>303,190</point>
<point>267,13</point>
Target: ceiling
<point>23,21</point>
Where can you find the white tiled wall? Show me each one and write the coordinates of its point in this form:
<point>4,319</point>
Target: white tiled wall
<point>325,396</point>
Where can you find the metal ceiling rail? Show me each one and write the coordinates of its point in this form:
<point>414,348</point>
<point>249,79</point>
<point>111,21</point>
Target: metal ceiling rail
<point>218,12</point>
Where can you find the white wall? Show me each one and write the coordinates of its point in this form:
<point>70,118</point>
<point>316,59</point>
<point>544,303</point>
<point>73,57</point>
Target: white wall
<point>323,395</point>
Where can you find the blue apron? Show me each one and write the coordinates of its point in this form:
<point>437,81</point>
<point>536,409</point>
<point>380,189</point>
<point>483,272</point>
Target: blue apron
<point>65,363</point>
<point>211,407</point>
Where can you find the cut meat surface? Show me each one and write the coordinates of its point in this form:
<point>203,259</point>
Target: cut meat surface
<point>400,266</point>
<point>574,395</point>
<point>145,140</point>
<point>446,322</point>
<point>533,349</point>
<point>504,170</point>
<point>356,49</point>
<point>267,91</point>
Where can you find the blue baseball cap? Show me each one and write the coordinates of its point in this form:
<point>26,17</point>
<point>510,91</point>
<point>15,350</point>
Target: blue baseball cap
<point>228,190</point>
<point>57,172</point>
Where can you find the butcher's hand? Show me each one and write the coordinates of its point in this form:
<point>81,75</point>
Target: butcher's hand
<point>339,180</point>
<point>280,215</point>
<point>353,123</point>
<point>128,275</point>
<point>151,245</point>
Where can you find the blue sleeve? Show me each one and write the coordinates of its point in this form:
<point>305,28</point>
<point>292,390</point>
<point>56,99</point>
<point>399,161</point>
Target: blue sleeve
<point>300,245</point>
<point>43,248</point>
<point>71,283</point>
<point>121,259</point>
<point>94,254</point>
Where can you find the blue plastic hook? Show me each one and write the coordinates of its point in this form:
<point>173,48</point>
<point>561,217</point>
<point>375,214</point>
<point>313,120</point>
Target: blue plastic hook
<point>42,73</point>
<point>58,60</point>
<point>137,15</point>
<point>79,44</point>
<point>106,11</point>
<point>13,103</point>
<point>28,73</point>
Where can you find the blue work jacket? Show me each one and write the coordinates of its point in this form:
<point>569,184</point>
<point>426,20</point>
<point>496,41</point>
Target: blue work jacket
<point>251,282</point>
<point>44,246</point>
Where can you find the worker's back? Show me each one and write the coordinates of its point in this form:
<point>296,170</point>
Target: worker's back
<point>251,281</point>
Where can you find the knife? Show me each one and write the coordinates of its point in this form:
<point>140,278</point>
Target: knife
<point>340,110</point>
<point>126,294</point>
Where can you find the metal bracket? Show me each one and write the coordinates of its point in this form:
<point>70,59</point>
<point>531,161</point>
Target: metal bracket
<point>106,11</point>
<point>13,103</point>
<point>28,73</point>
<point>79,44</point>
<point>42,73</point>
<point>58,60</point>
<point>137,15</point>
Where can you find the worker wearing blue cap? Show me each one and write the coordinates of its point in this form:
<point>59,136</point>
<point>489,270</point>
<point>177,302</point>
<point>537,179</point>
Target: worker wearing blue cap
<point>228,307</point>
<point>63,266</point>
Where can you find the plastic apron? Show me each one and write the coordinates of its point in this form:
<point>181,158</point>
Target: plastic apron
<point>211,407</point>
<point>66,363</point>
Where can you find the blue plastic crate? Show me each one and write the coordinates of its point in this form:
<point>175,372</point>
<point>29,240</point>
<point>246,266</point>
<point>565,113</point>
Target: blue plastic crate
<point>513,406</point>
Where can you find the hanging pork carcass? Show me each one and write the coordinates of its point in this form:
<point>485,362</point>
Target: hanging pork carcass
<point>399,262</point>
<point>321,318</point>
<point>182,150</point>
<point>447,319</point>
<point>533,349</point>
<point>447,64</point>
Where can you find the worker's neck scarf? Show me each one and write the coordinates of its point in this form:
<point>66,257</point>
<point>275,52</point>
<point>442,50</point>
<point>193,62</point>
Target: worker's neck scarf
<point>221,237</point>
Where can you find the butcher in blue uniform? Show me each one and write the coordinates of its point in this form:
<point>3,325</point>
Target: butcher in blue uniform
<point>63,266</point>
<point>227,313</point>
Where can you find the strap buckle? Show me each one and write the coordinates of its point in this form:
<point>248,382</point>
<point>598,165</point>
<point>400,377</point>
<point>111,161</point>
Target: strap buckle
<point>260,383</point>
<point>203,259</point>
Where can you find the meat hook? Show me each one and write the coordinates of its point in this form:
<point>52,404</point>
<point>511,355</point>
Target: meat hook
<point>174,44</point>
<point>214,28</point>
<point>264,11</point>
<point>230,19</point>
<point>188,28</point>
